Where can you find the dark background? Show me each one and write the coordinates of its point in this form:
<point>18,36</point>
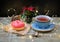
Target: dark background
<point>52,5</point>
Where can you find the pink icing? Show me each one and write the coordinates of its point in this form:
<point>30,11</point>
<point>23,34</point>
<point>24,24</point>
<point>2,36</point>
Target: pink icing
<point>17,24</point>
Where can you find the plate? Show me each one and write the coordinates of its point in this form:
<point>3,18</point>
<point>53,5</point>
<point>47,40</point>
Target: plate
<point>38,28</point>
<point>8,28</point>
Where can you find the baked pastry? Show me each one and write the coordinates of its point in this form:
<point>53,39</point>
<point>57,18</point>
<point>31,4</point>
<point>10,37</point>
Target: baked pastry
<point>17,25</point>
<point>17,17</point>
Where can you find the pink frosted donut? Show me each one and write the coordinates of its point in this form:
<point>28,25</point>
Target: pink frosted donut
<point>17,25</point>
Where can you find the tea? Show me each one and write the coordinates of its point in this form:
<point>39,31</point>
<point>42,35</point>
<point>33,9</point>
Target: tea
<point>43,19</point>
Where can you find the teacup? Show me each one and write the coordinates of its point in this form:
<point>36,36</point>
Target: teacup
<point>43,20</point>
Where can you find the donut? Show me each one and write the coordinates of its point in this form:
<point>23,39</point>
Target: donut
<point>17,25</point>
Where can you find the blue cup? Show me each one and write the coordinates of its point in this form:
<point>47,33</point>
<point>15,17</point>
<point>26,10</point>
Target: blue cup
<point>43,24</point>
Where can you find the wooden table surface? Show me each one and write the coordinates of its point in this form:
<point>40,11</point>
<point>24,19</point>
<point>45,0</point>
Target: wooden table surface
<point>53,36</point>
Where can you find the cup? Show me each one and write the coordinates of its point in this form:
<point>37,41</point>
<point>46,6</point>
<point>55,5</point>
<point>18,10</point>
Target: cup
<point>42,20</point>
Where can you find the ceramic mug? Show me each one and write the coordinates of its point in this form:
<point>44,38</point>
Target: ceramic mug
<point>42,20</point>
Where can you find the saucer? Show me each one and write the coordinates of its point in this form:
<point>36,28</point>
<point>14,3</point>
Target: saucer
<point>38,28</point>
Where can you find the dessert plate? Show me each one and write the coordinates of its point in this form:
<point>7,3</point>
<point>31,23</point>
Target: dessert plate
<point>8,28</point>
<point>35,26</point>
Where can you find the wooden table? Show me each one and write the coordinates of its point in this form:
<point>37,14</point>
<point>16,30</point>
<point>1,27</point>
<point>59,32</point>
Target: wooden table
<point>53,36</point>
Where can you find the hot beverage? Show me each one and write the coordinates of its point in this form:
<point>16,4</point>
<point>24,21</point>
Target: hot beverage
<point>43,19</point>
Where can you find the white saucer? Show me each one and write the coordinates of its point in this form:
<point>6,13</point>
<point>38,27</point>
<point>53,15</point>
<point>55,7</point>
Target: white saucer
<point>36,27</point>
